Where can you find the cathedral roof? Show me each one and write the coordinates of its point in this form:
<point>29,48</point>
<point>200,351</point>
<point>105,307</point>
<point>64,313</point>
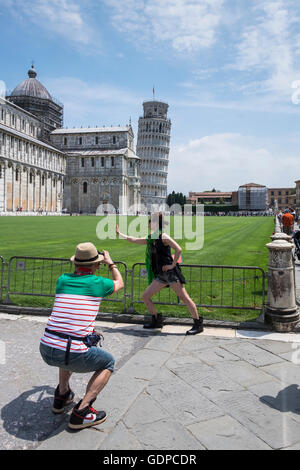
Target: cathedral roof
<point>84,130</point>
<point>31,87</point>
<point>22,135</point>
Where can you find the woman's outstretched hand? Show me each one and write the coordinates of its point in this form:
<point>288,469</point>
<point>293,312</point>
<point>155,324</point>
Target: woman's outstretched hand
<point>117,229</point>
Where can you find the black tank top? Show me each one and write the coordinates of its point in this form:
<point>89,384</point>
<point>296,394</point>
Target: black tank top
<point>161,255</point>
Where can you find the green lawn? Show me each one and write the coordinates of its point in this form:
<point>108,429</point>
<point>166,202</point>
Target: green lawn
<point>238,241</point>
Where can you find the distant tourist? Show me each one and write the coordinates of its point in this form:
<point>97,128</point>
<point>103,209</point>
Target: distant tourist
<point>69,341</point>
<point>163,271</point>
<point>292,211</point>
<point>287,221</point>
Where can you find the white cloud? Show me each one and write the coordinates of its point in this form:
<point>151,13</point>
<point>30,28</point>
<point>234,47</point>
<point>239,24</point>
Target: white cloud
<point>258,67</point>
<point>65,18</point>
<point>269,46</point>
<point>225,161</point>
<point>186,25</point>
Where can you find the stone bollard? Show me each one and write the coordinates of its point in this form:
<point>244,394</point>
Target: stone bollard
<point>281,310</point>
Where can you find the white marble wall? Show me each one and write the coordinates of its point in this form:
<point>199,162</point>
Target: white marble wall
<point>32,172</point>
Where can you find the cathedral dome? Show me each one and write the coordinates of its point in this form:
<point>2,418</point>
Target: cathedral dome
<point>31,87</point>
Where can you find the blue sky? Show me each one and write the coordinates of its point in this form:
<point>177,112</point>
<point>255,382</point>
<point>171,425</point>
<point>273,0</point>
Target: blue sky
<point>229,70</point>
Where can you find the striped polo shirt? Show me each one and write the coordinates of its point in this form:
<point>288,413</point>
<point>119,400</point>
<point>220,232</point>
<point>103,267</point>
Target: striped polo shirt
<point>75,308</point>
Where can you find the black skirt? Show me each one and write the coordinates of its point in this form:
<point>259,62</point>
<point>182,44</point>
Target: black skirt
<point>171,276</point>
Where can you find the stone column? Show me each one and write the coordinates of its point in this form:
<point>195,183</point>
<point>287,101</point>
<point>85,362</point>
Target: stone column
<point>51,193</point>
<point>59,194</point>
<point>25,190</point>
<point>3,186</point>
<point>281,310</point>
<point>34,179</point>
<point>13,176</point>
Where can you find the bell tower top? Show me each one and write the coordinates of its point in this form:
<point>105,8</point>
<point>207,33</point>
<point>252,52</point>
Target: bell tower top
<point>155,109</point>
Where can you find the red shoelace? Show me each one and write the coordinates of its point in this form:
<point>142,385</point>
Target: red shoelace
<point>92,410</point>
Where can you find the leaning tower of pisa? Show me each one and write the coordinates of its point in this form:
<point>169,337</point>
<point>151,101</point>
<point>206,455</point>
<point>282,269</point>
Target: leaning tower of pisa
<point>153,145</point>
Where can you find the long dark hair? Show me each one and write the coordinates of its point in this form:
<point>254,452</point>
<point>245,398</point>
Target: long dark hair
<point>158,217</point>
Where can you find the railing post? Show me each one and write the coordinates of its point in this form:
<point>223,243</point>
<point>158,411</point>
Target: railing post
<point>7,300</point>
<point>1,276</point>
<point>131,310</point>
<point>281,310</point>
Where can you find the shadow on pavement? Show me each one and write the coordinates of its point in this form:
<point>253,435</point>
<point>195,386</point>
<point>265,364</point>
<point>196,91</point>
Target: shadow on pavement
<point>30,417</point>
<point>287,399</point>
<point>130,330</point>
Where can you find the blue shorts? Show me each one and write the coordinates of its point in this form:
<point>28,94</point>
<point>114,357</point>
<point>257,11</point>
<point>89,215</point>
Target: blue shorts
<point>93,360</point>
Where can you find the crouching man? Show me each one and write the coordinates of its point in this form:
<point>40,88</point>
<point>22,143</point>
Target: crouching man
<point>69,341</point>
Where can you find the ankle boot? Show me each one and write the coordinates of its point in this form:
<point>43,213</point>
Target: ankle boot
<point>197,327</point>
<point>156,322</point>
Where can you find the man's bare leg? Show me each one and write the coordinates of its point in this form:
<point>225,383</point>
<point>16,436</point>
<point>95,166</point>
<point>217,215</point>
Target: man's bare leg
<point>97,382</point>
<point>64,377</point>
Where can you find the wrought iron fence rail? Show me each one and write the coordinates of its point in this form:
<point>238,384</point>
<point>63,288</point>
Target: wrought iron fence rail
<point>36,276</point>
<point>2,267</point>
<point>248,301</point>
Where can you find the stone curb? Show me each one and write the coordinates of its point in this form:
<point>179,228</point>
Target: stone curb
<point>139,319</point>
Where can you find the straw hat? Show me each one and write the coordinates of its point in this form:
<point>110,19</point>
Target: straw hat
<point>86,253</point>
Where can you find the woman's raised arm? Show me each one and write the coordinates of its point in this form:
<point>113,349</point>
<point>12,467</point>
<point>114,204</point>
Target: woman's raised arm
<point>139,241</point>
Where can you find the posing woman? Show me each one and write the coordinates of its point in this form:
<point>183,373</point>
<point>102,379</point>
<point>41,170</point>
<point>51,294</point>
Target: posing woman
<point>163,271</point>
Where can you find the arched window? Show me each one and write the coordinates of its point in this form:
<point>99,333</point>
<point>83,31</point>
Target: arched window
<point>85,187</point>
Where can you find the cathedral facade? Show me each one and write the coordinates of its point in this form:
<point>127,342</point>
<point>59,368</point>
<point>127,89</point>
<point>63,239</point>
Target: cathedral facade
<point>31,171</point>
<point>103,171</point>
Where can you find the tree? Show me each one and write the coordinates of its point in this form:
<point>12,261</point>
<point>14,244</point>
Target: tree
<point>176,198</point>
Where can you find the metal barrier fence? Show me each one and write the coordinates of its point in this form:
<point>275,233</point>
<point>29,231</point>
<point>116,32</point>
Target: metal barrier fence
<point>36,276</point>
<point>2,267</point>
<point>211,286</point>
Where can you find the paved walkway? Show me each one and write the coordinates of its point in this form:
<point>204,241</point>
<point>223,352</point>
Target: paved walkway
<point>222,389</point>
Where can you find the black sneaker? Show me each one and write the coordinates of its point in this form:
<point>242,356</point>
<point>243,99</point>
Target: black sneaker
<point>86,417</point>
<point>61,401</point>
